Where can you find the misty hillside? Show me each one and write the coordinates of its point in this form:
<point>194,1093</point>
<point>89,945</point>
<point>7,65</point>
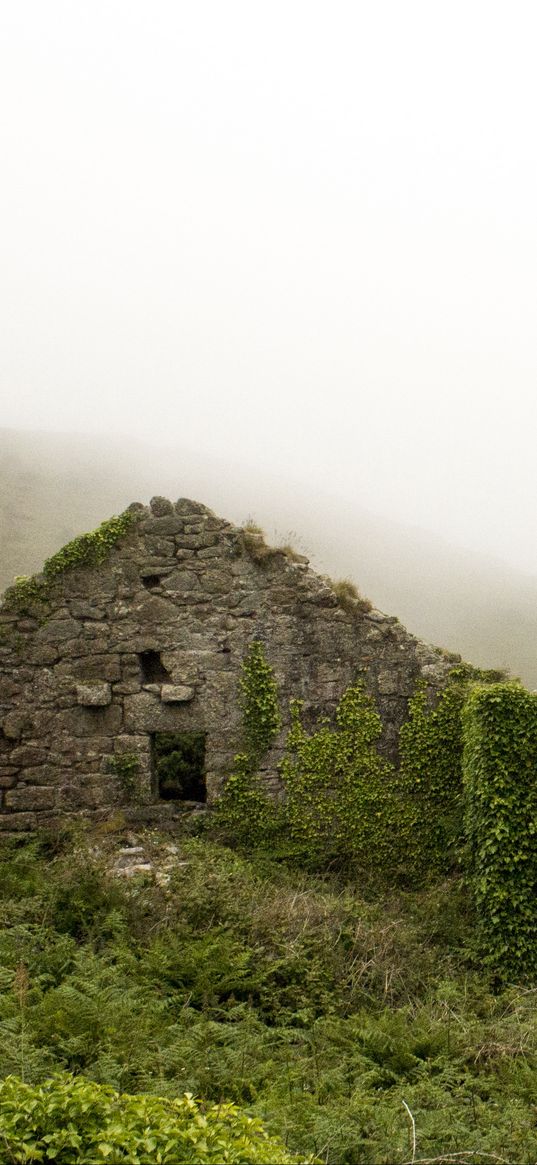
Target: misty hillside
<point>54,486</point>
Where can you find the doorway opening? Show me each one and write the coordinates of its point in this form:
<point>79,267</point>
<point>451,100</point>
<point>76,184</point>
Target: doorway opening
<point>179,766</point>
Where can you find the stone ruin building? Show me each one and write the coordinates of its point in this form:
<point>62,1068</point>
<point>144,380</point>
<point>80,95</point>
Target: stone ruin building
<point>126,660</point>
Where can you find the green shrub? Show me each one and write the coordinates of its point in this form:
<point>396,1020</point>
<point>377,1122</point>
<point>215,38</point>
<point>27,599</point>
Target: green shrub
<point>71,1119</point>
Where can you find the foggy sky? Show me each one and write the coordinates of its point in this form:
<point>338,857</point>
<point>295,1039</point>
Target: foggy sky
<point>300,235</point>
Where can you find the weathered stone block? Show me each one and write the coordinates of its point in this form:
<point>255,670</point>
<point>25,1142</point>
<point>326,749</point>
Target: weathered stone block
<point>32,798</point>
<point>96,695</point>
<point>85,610</point>
<point>27,755</point>
<point>160,507</point>
<point>7,779</point>
<point>182,580</point>
<point>176,693</point>
<point>14,724</point>
<point>187,506</point>
<point>96,720</point>
<point>56,630</point>
<point>17,822</point>
<point>163,526</point>
<point>41,774</point>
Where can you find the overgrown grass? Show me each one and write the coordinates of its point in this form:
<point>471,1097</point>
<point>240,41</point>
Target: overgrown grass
<point>316,1008</point>
<point>348,596</point>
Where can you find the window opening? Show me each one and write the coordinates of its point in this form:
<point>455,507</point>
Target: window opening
<point>179,766</point>
<point>153,670</point>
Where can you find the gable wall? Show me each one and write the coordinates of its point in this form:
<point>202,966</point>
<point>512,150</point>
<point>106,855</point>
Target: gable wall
<point>72,694</point>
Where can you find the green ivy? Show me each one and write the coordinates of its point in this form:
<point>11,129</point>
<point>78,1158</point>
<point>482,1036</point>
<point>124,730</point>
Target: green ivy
<point>500,768</point>
<point>261,713</point>
<point>244,811</point>
<point>340,804</point>
<point>430,774</point>
<point>85,551</point>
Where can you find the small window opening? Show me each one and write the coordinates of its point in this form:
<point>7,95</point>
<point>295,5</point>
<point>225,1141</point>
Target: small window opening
<point>179,766</point>
<point>151,582</point>
<point>153,670</point>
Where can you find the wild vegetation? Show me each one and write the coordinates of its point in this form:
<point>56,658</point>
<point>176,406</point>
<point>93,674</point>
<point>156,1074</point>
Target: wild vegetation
<point>356,972</point>
<point>240,981</point>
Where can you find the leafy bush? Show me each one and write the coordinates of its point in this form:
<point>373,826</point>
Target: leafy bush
<point>75,1120</point>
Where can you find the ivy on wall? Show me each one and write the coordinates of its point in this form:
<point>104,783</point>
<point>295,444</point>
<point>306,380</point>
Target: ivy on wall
<point>340,802</point>
<point>85,551</point>
<point>430,775</point>
<point>261,712</point>
<point>500,770</point>
<point>244,812</point>
<point>467,784</point>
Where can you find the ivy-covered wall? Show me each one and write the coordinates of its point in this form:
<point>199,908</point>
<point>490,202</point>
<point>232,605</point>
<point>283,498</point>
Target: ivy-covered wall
<point>500,766</point>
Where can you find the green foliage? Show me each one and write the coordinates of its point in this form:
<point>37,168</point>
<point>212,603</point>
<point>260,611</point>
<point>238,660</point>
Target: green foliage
<point>72,1119</point>
<point>500,761</point>
<point>261,714</point>
<point>244,811</point>
<point>247,982</point>
<point>85,551</point>
<point>430,773</point>
<point>125,766</point>
<point>340,804</point>
<point>90,549</point>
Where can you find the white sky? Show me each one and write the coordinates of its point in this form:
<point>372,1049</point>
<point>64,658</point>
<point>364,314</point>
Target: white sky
<point>299,235</point>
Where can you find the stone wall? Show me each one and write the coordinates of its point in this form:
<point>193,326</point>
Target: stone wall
<point>153,640</point>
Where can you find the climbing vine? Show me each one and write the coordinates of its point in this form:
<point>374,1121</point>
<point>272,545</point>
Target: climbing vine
<point>340,804</point>
<point>500,771</point>
<point>244,811</point>
<point>261,712</point>
<point>430,774</point>
<point>87,550</point>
